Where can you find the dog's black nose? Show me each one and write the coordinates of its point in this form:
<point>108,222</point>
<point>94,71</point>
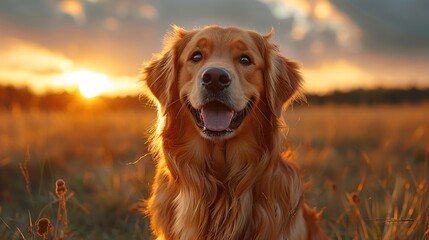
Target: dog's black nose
<point>216,79</point>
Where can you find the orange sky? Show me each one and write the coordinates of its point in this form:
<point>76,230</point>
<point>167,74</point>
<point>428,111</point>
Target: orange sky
<point>63,45</point>
<point>26,64</point>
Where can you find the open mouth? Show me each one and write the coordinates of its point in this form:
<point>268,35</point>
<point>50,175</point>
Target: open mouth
<point>215,119</point>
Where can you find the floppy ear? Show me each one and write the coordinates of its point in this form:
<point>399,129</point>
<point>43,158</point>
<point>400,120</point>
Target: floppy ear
<point>283,80</point>
<point>160,73</point>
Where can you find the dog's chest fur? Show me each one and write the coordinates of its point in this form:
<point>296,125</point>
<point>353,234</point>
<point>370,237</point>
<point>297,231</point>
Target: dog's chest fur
<point>231,193</point>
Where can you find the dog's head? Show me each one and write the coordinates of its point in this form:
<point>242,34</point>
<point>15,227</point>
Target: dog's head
<point>223,77</point>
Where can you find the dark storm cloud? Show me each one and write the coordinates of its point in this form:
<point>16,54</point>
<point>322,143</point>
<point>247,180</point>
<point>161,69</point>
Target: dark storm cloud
<point>250,14</point>
<point>36,13</point>
<point>386,25</point>
<point>137,35</point>
<point>115,37</point>
<point>390,25</point>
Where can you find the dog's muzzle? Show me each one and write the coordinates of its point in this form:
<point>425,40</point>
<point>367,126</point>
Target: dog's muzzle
<point>216,118</point>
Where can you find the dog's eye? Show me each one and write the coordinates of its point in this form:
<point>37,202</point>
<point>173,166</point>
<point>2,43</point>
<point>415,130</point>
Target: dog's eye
<point>197,56</point>
<point>245,60</point>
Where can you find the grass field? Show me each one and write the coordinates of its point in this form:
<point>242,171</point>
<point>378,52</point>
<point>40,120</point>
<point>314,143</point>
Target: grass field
<point>367,168</point>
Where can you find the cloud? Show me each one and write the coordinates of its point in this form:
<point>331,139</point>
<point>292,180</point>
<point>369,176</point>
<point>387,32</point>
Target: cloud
<point>318,28</point>
<point>148,11</point>
<point>340,74</point>
<point>366,43</point>
<point>26,64</point>
<point>26,12</point>
<point>390,26</point>
<point>19,54</point>
<point>73,8</point>
<point>115,37</point>
<point>346,74</point>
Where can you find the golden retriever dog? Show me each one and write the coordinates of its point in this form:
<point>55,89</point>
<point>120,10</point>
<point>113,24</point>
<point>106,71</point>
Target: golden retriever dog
<point>221,172</point>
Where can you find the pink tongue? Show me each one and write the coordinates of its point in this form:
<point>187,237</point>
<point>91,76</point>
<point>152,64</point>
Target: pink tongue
<point>216,117</point>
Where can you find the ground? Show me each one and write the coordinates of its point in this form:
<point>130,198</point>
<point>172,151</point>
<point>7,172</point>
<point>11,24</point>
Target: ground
<point>366,167</point>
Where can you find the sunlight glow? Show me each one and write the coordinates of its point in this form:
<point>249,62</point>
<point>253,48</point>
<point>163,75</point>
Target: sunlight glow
<point>148,11</point>
<point>338,75</point>
<point>323,10</point>
<point>74,9</point>
<point>90,83</point>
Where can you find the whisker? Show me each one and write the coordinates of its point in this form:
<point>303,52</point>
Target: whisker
<point>256,115</point>
<point>175,101</point>
<point>256,106</point>
<point>170,104</point>
<point>177,115</point>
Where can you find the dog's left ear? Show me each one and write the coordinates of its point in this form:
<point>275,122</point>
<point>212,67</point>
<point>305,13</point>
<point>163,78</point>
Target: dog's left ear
<point>159,74</point>
<point>282,77</point>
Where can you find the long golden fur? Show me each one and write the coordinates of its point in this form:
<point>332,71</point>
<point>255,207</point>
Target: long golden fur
<point>215,181</point>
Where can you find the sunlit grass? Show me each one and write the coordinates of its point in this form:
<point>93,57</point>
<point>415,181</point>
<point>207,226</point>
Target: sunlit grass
<point>92,152</point>
<point>367,167</point>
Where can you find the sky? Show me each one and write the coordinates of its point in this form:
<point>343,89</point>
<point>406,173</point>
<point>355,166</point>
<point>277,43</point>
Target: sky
<point>57,45</point>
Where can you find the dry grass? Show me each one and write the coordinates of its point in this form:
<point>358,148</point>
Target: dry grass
<point>367,167</point>
<point>94,153</point>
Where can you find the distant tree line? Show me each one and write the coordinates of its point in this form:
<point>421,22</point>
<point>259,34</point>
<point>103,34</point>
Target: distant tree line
<point>371,96</point>
<point>24,98</point>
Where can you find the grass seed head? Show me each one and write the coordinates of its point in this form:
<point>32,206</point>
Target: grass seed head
<point>355,198</point>
<point>44,226</point>
<point>60,188</point>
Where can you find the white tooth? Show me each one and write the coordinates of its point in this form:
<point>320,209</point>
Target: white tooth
<point>204,128</point>
<point>228,130</point>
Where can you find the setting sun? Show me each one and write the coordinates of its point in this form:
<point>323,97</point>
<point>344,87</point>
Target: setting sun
<point>90,84</point>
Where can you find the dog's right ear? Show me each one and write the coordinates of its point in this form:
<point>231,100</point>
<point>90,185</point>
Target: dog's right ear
<point>283,77</point>
<point>160,73</point>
